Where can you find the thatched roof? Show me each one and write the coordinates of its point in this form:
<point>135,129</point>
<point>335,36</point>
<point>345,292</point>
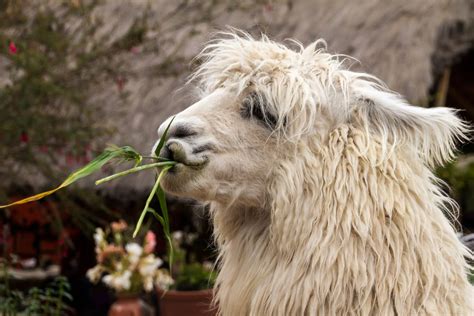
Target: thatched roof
<point>406,43</point>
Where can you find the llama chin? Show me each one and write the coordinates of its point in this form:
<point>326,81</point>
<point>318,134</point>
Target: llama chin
<point>320,184</point>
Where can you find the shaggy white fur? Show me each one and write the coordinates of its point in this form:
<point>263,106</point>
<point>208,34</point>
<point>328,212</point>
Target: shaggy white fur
<point>353,221</point>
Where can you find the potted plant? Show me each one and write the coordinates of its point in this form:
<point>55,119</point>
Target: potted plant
<point>128,268</point>
<point>191,292</point>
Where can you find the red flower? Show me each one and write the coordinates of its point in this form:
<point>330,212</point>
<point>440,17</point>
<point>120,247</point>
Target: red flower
<point>12,48</point>
<point>24,138</point>
<point>150,242</point>
<point>70,160</point>
<point>120,83</point>
<point>268,7</point>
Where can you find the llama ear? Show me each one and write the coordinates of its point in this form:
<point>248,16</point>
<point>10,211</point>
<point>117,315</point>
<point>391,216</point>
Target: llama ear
<point>432,132</point>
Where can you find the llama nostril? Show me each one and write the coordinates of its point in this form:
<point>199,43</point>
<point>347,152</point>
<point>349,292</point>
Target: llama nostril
<point>175,151</point>
<point>182,131</point>
<point>166,153</point>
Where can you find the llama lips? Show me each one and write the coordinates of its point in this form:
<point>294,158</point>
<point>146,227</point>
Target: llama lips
<point>180,153</point>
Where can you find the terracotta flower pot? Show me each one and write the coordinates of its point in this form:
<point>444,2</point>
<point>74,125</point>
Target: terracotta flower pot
<point>183,303</point>
<point>130,305</point>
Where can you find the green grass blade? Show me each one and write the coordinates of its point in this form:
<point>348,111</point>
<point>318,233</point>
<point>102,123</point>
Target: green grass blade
<point>156,158</point>
<point>163,139</point>
<point>126,153</point>
<point>157,216</point>
<point>164,208</point>
<point>142,215</point>
<point>148,201</point>
<point>136,169</point>
<point>162,199</point>
<point>91,167</point>
<point>170,253</point>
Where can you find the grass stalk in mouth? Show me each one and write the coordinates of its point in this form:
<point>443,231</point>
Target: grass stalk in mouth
<point>136,169</point>
<point>124,154</point>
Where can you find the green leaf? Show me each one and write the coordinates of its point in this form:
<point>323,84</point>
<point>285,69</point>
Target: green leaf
<point>163,139</point>
<point>166,228</point>
<point>68,296</point>
<point>157,216</point>
<point>136,169</point>
<point>162,199</point>
<point>125,153</point>
<point>149,199</point>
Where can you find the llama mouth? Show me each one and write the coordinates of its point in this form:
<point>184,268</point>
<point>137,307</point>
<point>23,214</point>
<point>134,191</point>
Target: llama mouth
<point>195,163</point>
<point>177,152</point>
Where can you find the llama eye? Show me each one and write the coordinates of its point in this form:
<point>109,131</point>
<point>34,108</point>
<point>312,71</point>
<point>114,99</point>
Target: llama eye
<point>252,107</point>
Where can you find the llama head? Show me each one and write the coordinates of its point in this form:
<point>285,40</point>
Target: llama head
<point>265,112</point>
<point>224,155</point>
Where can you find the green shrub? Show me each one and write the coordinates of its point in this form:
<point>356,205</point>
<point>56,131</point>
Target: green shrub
<point>195,276</point>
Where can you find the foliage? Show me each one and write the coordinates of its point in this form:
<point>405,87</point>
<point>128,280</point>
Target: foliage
<point>43,106</point>
<point>51,300</point>
<point>459,176</point>
<point>471,278</point>
<point>189,274</point>
<point>44,118</point>
<point>460,179</point>
<point>195,276</point>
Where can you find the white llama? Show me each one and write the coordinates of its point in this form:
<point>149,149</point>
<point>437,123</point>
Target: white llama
<point>320,186</point>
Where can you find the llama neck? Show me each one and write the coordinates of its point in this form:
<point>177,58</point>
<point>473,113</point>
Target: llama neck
<point>359,233</point>
<point>244,246</point>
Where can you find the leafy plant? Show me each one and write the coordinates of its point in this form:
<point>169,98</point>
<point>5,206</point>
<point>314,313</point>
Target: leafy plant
<point>195,276</point>
<point>51,300</point>
<point>44,117</point>
<point>189,274</point>
<point>459,175</point>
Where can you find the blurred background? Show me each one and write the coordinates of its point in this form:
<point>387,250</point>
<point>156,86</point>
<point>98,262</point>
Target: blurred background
<point>76,75</point>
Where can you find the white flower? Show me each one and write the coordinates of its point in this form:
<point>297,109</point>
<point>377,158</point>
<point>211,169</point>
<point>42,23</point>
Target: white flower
<point>148,265</point>
<point>99,236</point>
<point>118,266</point>
<point>163,280</point>
<point>94,273</point>
<point>148,284</point>
<point>209,266</point>
<point>118,281</point>
<point>108,279</point>
<point>123,280</point>
<point>135,251</point>
<point>191,237</point>
<point>177,236</point>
